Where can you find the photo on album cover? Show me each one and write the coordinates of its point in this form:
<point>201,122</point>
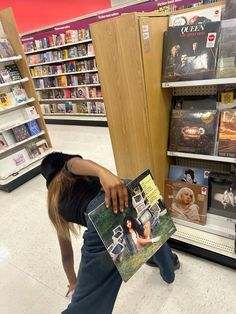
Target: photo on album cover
<point>133,236</point>
<point>186,201</point>
<point>222,194</point>
<point>189,174</point>
<point>193,131</point>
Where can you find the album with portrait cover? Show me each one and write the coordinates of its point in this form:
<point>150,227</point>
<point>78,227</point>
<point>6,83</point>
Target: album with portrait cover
<point>222,194</point>
<point>190,52</point>
<point>133,236</point>
<point>193,131</point>
<point>189,174</point>
<point>186,201</point>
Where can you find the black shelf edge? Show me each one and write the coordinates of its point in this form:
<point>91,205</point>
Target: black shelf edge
<point>76,122</point>
<point>203,253</point>
<point>21,179</point>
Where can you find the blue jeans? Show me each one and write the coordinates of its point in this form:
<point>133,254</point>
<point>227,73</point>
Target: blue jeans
<point>98,280</point>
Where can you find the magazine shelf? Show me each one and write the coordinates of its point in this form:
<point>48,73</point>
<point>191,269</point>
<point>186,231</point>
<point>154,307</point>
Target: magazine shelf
<point>58,47</point>
<point>69,99</point>
<point>203,157</point>
<point>62,60</point>
<point>19,102</point>
<point>14,58</point>
<point>10,147</point>
<point>25,79</point>
<point>71,86</point>
<point>14,107</point>
<point>66,73</point>
<point>20,123</point>
<point>217,81</point>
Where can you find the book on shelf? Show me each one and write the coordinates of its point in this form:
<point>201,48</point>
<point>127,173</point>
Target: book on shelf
<point>82,107</point>
<point>3,143</point>
<point>133,236</point>
<point>13,71</point>
<point>5,101</point>
<point>19,94</point>
<point>33,127</point>
<point>222,194</point>
<point>32,150</point>
<point>226,65</point>
<point>6,50</point>
<point>5,76</point>
<point>190,52</point>
<point>227,133</point>
<point>186,201</point>
<point>189,174</point>
<point>61,108</point>
<point>201,16</point>
<point>42,146</point>
<point>30,112</point>
<point>21,132</point>
<point>194,131</point>
<point>20,158</point>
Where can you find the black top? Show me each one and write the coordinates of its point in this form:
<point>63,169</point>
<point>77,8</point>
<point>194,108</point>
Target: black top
<point>75,200</point>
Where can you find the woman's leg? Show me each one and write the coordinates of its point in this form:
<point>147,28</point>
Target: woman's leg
<point>167,262</point>
<point>98,280</point>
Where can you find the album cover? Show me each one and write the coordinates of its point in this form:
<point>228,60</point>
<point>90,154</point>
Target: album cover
<point>19,94</point>
<point>204,102</point>
<point>32,150</point>
<point>222,194</point>
<point>189,174</point>
<point>30,112</point>
<point>201,16</point>
<point>186,201</point>
<point>133,236</point>
<point>227,133</point>
<point>226,65</point>
<point>20,132</point>
<point>190,52</point>
<point>6,49</point>
<point>5,100</point>
<point>13,71</point>
<point>42,146</point>
<point>193,131</point>
<point>82,108</point>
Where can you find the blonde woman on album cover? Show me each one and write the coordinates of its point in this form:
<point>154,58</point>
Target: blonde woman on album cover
<point>184,207</point>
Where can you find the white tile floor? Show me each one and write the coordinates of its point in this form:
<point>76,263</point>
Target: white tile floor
<point>31,276</point>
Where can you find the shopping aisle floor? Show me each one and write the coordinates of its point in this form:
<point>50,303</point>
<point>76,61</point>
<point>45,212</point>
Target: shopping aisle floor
<point>31,277</point>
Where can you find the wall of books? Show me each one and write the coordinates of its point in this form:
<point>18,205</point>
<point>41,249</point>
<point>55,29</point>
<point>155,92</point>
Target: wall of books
<point>24,140</point>
<point>199,62</point>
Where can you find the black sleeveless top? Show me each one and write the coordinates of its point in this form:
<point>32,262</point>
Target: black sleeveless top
<point>75,199</point>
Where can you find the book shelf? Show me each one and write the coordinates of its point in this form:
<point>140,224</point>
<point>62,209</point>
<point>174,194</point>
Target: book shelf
<point>22,127</point>
<point>63,67</point>
<point>129,58</point>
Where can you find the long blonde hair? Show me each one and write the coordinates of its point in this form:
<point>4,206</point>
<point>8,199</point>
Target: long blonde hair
<point>60,184</point>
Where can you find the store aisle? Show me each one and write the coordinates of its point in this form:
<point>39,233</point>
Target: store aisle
<point>32,279</point>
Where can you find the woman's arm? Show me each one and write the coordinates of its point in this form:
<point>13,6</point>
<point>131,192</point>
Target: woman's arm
<point>67,257</point>
<point>113,186</point>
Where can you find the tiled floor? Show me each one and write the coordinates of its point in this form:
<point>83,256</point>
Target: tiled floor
<point>31,276</point>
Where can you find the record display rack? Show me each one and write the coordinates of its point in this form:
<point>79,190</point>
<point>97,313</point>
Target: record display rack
<point>50,106</point>
<point>25,169</point>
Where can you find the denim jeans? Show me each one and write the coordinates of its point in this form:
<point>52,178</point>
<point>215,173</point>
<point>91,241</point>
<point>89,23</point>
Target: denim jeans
<point>98,280</point>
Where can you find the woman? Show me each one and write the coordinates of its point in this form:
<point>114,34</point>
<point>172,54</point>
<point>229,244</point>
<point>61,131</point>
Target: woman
<point>75,187</point>
<point>183,207</point>
<point>136,235</point>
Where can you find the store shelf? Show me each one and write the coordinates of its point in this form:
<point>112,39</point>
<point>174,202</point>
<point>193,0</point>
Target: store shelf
<point>205,240</point>
<point>19,123</point>
<point>58,47</point>
<point>66,73</point>
<point>16,106</point>
<point>63,87</point>
<point>218,225</point>
<point>205,157</point>
<point>24,174</point>
<point>20,143</point>
<point>219,81</point>
<point>25,79</point>
<point>76,119</point>
<point>62,60</point>
<point>70,99</point>
<point>14,58</point>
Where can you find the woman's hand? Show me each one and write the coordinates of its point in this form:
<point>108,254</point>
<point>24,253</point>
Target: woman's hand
<point>71,288</point>
<point>115,190</point>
